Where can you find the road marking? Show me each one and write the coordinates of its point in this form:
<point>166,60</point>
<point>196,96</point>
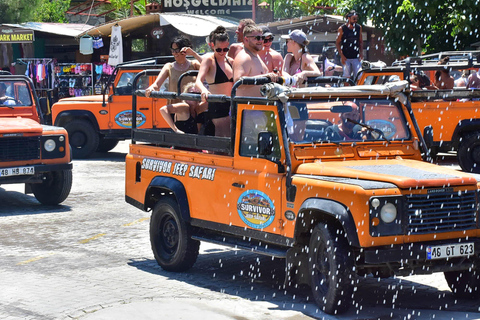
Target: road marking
<point>34,259</point>
<point>92,238</point>
<point>135,222</point>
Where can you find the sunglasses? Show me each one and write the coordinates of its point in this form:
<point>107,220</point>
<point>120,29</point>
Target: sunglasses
<point>267,40</point>
<point>258,38</point>
<point>176,50</point>
<point>220,50</point>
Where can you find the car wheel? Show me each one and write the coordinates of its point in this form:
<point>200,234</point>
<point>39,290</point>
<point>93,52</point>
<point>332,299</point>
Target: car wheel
<point>331,265</point>
<point>468,153</point>
<point>83,138</point>
<point>464,284</point>
<point>55,187</point>
<point>106,145</point>
<point>170,237</point>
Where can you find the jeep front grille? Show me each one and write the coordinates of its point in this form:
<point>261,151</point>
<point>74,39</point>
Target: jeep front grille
<point>443,212</point>
<point>19,148</point>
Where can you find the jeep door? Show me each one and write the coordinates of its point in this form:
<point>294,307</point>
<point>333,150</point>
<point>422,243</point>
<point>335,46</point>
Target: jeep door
<point>120,105</point>
<point>257,185</point>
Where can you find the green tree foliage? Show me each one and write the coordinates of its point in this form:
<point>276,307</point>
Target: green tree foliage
<point>122,9</point>
<point>17,11</point>
<point>51,11</point>
<point>412,26</point>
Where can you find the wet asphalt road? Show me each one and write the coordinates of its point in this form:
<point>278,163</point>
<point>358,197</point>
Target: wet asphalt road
<point>91,256</point>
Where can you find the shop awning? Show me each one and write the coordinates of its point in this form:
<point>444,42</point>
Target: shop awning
<point>195,25</point>
<point>65,29</point>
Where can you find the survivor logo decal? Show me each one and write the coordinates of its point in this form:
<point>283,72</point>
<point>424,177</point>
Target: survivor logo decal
<point>256,209</point>
<point>179,169</point>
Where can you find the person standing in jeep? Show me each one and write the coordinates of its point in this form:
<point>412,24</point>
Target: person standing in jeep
<point>350,45</point>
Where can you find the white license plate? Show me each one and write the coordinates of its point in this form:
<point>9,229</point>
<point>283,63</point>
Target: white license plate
<point>19,171</point>
<point>450,251</point>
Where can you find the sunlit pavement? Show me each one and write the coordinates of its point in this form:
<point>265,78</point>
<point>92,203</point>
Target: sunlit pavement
<point>90,258</point>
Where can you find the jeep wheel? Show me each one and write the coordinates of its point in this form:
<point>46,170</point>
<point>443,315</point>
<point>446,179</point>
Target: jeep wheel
<point>464,284</point>
<point>170,237</point>
<point>468,153</point>
<point>55,187</point>
<point>105,145</point>
<point>331,266</point>
<point>83,138</point>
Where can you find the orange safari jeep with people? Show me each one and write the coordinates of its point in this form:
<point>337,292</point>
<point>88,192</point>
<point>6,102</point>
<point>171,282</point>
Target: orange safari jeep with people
<point>98,122</point>
<point>31,152</point>
<point>449,118</point>
<point>331,179</point>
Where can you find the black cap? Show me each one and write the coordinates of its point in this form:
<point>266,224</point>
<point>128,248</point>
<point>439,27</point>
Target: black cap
<point>266,31</point>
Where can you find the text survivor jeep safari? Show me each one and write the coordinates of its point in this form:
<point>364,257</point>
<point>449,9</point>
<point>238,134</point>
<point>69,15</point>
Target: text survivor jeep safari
<point>98,122</point>
<point>449,119</point>
<point>31,152</point>
<point>292,184</point>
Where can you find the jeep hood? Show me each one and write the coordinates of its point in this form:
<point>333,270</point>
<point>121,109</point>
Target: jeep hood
<point>402,173</point>
<point>95,98</point>
<point>19,125</point>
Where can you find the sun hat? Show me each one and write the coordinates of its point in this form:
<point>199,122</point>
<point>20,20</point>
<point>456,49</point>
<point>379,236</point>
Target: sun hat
<point>298,36</point>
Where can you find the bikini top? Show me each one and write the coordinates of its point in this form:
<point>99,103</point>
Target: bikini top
<point>220,76</point>
<point>299,69</point>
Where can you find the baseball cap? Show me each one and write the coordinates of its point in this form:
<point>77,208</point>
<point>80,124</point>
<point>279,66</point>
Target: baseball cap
<point>266,31</point>
<point>298,36</point>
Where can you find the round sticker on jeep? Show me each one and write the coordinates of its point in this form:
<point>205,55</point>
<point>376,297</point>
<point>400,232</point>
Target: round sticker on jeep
<point>256,209</point>
<point>124,119</point>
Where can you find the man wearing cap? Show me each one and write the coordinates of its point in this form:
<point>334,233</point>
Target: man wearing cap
<point>272,59</point>
<point>350,45</point>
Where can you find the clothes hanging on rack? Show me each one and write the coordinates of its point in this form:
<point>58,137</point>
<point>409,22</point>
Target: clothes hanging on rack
<point>116,50</point>
<point>86,44</point>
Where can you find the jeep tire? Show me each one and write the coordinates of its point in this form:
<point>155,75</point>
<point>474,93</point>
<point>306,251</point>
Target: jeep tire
<point>170,237</point>
<point>83,138</point>
<point>331,268</point>
<point>468,153</point>
<point>55,187</point>
<point>464,284</point>
<point>105,145</point>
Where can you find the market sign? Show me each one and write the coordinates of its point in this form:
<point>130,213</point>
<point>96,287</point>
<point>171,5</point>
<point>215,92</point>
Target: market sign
<point>233,8</point>
<point>15,35</point>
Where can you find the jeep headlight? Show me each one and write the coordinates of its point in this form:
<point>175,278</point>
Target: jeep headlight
<point>388,213</point>
<point>49,145</point>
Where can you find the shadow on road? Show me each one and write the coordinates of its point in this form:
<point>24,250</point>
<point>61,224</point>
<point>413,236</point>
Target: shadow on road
<point>17,203</point>
<point>255,277</point>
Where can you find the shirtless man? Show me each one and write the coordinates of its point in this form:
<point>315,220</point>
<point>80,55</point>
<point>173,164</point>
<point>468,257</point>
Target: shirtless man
<point>270,57</point>
<point>235,48</point>
<point>248,64</point>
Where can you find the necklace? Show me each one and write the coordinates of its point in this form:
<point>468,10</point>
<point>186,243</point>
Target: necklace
<point>182,66</point>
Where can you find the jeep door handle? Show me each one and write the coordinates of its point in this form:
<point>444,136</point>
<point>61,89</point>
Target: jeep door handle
<point>144,108</point>
<point>238,185</point>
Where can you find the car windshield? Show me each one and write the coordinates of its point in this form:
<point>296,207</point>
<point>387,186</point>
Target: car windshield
<point>345,121</point>
<point>14,93</point>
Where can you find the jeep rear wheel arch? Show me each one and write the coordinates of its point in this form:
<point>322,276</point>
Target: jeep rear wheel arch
<point>326,209</point>
<point>70,115</point>
<point>165,186</point>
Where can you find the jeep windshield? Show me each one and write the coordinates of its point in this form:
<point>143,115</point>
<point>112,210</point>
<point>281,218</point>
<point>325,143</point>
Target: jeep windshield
<point>345,121</point>
<point>14,93</point>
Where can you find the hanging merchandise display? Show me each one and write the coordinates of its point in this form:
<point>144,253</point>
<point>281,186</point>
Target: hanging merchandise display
<point>86,44</point>
<point>116,50</point>
<point>97,43</point>
<point>74,80</point>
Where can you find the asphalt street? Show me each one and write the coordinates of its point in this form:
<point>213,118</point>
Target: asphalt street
<point>90,259</point>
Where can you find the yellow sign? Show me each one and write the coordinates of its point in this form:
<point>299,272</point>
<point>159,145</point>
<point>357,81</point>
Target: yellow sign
<point>12,35</point>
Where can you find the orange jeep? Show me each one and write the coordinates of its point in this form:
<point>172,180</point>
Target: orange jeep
<point>31,152</point>
<point>98,122</point>
<point>449,119</point>
<point>332,179</point>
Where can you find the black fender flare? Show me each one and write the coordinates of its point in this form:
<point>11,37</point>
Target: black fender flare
<point>63,116</point>
<point>177,188</point>
<point>334,210</point>
<point>463,127</point>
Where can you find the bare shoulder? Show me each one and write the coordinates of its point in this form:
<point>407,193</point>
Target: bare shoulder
<point>275,54</point>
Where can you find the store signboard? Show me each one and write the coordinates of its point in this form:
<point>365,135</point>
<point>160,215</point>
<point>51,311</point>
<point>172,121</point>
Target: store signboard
<point>16,35</point>
<point>239,9</point>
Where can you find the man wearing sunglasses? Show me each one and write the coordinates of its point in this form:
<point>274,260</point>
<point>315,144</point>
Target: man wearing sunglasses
<point>248,63</point>
<point>272,59</point>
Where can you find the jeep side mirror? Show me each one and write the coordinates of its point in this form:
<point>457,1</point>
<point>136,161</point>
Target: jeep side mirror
<point>265,143</point>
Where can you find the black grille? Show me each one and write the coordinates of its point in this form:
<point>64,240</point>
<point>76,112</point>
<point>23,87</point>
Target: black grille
<point>441,212</point>
<point>21,148</point>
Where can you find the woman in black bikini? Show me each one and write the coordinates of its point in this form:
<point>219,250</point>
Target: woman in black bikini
<point>217,70</point>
